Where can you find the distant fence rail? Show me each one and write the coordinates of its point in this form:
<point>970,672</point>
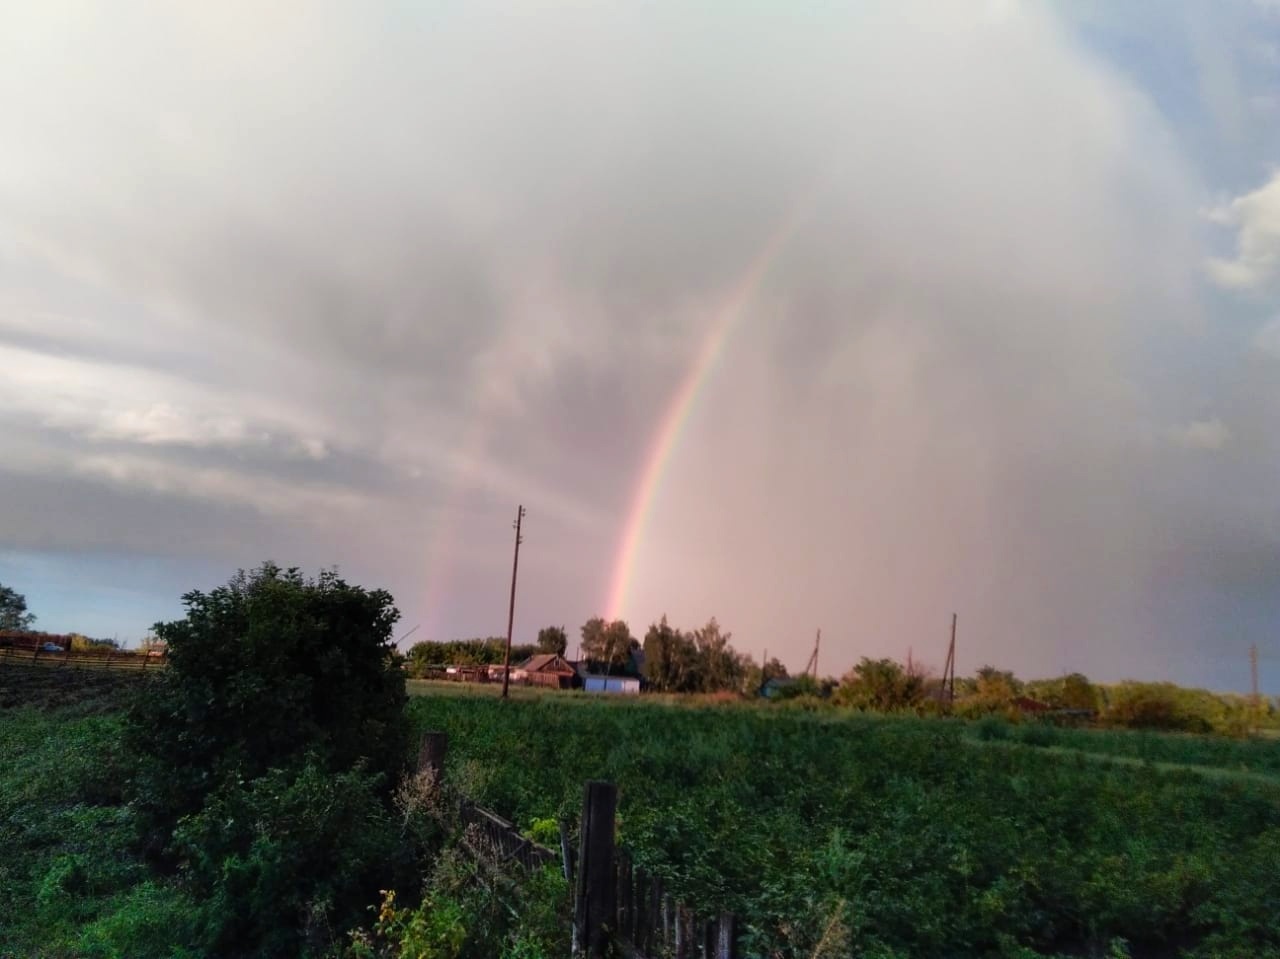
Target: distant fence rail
<point>112,659</point>
<point>502,841</point>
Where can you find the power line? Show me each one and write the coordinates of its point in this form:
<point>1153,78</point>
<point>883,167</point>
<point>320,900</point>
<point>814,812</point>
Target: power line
<point>511,610</point>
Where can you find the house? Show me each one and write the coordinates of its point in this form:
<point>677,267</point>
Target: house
<point>627,685</point>
<point>775,685</point>
<point>548,669</point>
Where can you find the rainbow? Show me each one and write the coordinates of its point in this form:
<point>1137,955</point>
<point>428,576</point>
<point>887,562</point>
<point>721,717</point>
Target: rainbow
<point>667,436</point>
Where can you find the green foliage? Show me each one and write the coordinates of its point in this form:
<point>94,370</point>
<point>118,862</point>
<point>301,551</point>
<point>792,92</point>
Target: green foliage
<point>703,661</point>
<point>150,919</point>
<point>803,686</point>
<point>1165,706</point>
<point>286,859</point>
<point>13,610</point>
<point>267,670</point>
<point>607,645</point>
<point>464,652</point>
<point>990,728</point>
<point>881,685</point>
<point>552,639</point>
<point>69,878</point>
<point>544,831</point>
<point>773,669</point>
<point>670,659</point>
<point>467,915</point>
<point>266,755</point>
<point>835,833</point>
<point>1073,691</point>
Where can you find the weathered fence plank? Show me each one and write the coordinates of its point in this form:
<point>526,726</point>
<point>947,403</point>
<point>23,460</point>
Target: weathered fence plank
<point>431,753</point>
<point>595,906</point>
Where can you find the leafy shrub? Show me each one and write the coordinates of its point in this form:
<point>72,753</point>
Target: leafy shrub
<point>1162,706</point>
<point>268,753</point>
<point>149,920</point>
<point>287,859</point>
<point>504,917</point>
<point>263,671</point>
<point>992,728</point>
<point>1038,734</point>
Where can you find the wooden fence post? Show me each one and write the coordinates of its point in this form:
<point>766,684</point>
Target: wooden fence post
<point>431,753</point>
<point>594,908</point>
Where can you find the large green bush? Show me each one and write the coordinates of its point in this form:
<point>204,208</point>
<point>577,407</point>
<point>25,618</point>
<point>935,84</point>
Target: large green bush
<point>264,671</point>
<point>267,754</point>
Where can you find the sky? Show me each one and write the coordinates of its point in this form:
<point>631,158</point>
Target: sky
<point>844,316</point>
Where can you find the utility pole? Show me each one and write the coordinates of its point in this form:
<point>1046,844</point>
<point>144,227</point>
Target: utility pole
<point>949,670</point>
<point>812,668</point>
<point>511,610</point>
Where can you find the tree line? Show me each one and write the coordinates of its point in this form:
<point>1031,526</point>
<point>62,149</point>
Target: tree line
<point>703,660</point>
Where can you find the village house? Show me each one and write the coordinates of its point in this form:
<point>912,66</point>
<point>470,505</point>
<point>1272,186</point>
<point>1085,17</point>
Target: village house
<point>549,669</point>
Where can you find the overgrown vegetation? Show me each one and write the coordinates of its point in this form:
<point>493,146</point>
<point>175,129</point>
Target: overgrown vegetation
<point>266,755</point>
<point>249,801</point>
<point>896,838</point>
<point>71,882</point>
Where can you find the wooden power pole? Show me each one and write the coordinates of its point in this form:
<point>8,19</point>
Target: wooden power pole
<point>949,670</point>
<point>811,668</point>
<point>511,610</point>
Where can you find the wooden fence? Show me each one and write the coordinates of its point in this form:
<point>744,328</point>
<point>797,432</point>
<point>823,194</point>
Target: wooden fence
<point>617,906</point>
<point>488,834</point>
<point>66,659</point>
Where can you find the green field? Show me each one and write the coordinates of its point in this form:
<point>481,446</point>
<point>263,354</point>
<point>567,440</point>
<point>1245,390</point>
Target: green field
<point>827,833</point>
<point>902,837</point>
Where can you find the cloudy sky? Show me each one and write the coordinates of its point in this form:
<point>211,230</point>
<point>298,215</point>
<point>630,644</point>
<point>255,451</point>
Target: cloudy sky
<point>847,316</point>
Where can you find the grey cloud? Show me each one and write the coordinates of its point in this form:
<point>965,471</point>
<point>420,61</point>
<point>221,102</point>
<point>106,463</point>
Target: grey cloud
<point>344,285</point>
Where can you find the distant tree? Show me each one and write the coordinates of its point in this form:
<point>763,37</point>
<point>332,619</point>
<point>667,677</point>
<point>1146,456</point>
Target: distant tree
<point>608,645</point>
<point>670,659</point>
<point>1163,706</point>
<point>720,667</point>
<point>552,639</point>
<point>881,685</point>
<point>996,688</point>
<point>13,610</point>
<point>773,669</point>
<point>1073,691</point>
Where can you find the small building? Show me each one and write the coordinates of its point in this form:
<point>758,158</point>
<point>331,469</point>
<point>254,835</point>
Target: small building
<point>774,685</point>
<point>626,685</point>
<point>548,669</point>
